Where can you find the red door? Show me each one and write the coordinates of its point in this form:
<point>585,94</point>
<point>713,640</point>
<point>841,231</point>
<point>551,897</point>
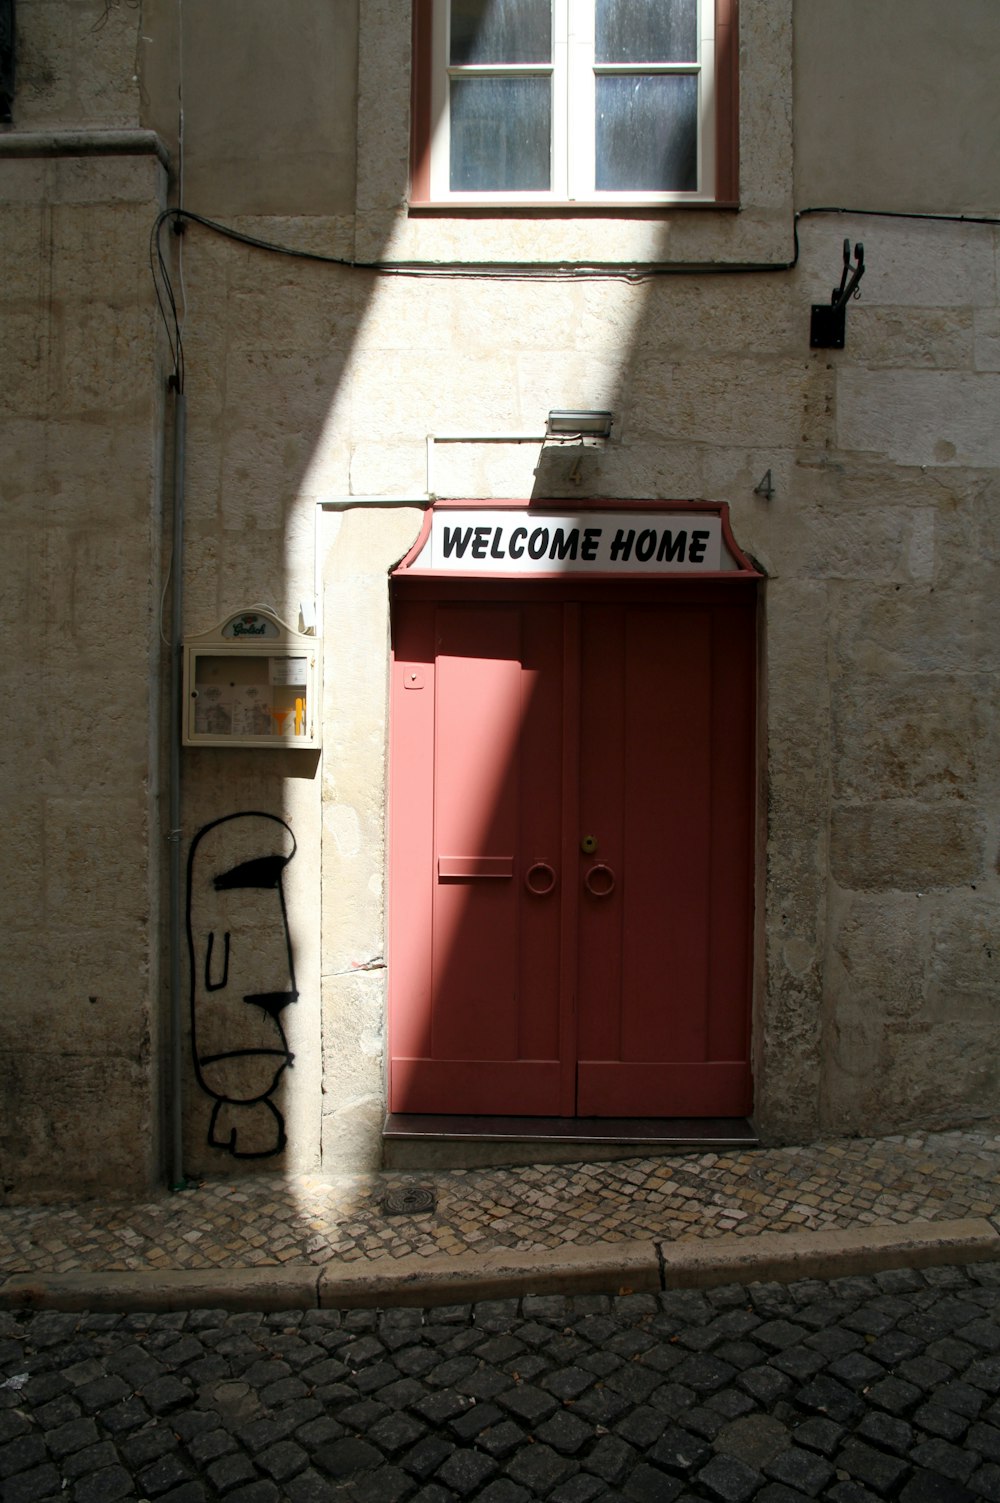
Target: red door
<point>571,853</point>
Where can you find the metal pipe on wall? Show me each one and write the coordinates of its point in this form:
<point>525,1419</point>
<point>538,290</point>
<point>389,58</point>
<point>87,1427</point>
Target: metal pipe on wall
<point>175,1110</point>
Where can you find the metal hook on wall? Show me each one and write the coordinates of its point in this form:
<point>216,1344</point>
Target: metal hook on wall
<point>828,327</point>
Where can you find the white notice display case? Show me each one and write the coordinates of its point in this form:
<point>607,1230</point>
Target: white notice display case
<point>252,682</point>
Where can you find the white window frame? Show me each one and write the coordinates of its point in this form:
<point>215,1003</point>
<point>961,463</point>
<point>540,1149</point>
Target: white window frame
<point>573,72</point>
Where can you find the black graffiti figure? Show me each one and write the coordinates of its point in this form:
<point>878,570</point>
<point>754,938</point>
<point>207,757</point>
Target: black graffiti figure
<point>242,977</point>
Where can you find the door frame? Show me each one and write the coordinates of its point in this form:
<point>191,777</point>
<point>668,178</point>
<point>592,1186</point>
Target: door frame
<point>416,579</point>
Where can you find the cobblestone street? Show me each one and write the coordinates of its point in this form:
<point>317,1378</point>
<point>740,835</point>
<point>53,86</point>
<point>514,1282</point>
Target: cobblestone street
<point>883,1386</point>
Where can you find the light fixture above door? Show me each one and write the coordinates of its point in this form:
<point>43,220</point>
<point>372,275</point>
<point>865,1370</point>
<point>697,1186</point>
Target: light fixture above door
<point>590,423</point>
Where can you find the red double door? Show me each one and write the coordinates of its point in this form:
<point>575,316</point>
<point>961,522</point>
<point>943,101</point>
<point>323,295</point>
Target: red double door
<point>571,862</point>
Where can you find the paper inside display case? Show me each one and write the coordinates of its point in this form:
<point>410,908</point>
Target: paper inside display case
<point>289,670</point>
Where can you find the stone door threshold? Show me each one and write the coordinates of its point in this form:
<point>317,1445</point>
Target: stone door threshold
<point>417,1141</point>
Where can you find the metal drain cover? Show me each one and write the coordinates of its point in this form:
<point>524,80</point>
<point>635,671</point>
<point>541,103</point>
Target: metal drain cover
<point>413,1201</point>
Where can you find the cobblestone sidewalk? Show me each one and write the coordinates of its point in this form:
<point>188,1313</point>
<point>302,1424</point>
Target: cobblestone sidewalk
<point>269,1220</point>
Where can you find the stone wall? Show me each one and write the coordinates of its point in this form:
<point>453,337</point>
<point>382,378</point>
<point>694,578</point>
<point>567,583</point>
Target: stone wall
<point>311,389</point>
<point>81,406</point>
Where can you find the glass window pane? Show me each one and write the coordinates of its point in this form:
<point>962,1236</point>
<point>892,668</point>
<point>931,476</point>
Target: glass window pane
<point>501,129</point>
<point>647,132</point>
<point>646,31</point>
<point>501,31</point>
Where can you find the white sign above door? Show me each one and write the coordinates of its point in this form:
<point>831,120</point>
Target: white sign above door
<point>508,541</point>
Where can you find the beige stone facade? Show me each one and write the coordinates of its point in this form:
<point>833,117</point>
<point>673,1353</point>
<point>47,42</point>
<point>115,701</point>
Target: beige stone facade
<point>311,388</point>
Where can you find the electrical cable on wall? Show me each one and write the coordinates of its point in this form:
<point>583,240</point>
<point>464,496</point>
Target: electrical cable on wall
<point>180,162</point>
<point>166,302</point>
<point>563,271</point>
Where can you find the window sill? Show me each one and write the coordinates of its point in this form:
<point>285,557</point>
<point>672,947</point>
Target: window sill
<point>451,208</point>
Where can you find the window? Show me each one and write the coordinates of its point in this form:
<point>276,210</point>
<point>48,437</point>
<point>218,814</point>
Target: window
<point>574,102</point>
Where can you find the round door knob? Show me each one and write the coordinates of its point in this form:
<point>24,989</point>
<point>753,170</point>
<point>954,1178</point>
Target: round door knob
<point>588,845</point>
<point>540,879</point>
<point>600,881</point>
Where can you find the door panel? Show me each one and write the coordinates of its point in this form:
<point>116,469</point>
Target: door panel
<point>476,1087</point>
<point>679,1043</point>
<point>484,810</point>
<point>476,789</point>
<point>665,887</point>
<point>602,819</point>
<point>693,1088</point>
<point>733,774</point>
<point>534,971</point>
<point>411,755</point>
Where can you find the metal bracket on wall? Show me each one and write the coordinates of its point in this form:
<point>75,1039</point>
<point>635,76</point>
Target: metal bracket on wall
<point>827,331</point>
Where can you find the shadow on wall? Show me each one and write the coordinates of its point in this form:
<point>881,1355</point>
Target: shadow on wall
<point>282,353</point>
<point>242,977</point>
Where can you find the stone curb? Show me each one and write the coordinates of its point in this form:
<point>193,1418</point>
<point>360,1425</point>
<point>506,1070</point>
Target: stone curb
<point>781,1257</point>
<point>500,1273</point>
<point>158,1289</point>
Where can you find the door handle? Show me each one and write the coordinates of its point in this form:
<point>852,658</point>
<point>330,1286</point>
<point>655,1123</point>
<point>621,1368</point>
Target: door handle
<point>600,881</point>
<point>540,879</point>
